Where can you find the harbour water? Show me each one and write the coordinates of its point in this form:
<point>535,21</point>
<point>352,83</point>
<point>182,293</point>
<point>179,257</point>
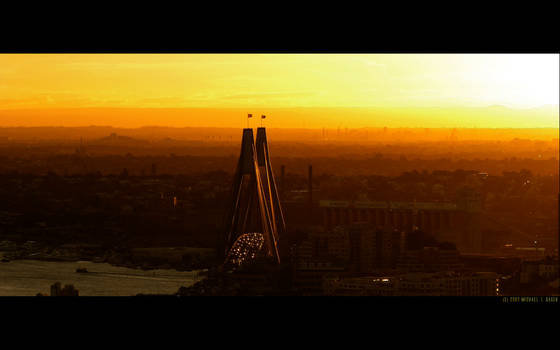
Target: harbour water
<point>29,277</point>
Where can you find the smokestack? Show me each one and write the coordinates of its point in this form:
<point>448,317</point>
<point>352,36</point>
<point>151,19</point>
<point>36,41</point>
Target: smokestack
<point>310,191</point>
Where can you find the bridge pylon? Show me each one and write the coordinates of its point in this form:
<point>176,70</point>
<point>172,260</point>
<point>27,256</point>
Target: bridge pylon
<point>255,217</point>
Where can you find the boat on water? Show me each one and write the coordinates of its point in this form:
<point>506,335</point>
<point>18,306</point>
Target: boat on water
<point>81,270</point>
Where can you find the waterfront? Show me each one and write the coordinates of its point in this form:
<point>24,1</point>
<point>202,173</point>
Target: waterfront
<point>29,277</point>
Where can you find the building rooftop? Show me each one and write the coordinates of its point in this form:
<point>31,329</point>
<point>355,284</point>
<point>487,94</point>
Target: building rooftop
<point>388,205</point>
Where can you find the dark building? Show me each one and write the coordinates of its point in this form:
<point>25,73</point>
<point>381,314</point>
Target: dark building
<point>67,291</point>
<point>452,222</point>
<point>370,248</point>
<point>429,259</point>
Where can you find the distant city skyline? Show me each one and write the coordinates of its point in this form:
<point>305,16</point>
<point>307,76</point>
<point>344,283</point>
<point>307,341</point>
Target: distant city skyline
<point>402,90</point>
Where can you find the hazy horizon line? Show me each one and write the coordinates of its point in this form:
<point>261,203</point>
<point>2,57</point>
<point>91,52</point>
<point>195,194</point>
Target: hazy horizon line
<point>281,128</point>
<point>248,108</point>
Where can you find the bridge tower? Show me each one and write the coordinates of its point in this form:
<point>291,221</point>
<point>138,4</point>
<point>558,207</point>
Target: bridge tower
<point>269,183</point>
<point>255,217</point>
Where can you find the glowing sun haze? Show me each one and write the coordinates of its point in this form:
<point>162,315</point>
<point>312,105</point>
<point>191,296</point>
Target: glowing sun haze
<point>426,89</point>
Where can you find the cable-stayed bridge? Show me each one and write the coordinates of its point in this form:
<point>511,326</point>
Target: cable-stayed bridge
<point>255,218</point>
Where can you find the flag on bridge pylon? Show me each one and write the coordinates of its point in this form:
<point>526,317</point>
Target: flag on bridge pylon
<point>263,116</point>
<point>249,116</point>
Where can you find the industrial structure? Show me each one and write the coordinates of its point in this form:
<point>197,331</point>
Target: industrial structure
<point>255,219</point>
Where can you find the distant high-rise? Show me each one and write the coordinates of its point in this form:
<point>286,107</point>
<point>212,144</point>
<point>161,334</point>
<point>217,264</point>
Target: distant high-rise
<point>371,248</point>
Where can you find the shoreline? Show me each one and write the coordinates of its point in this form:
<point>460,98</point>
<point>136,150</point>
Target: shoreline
<point>32,277</point>
<point>117,258</point>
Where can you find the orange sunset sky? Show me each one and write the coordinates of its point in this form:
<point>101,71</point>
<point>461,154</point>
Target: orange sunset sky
<point>294,90</point>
